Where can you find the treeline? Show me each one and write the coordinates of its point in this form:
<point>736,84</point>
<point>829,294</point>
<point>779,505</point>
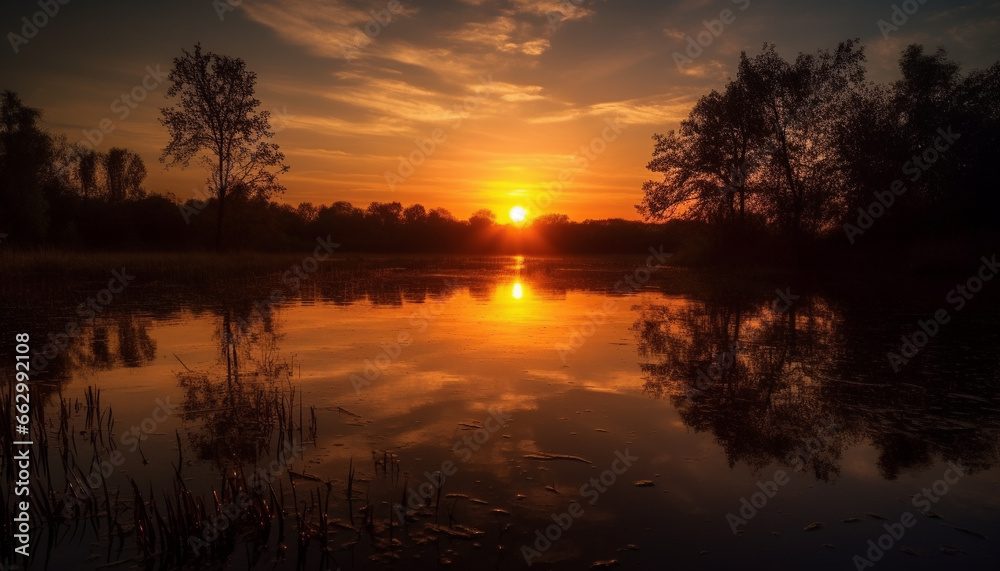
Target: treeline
<point>260,224</point>
<point>810,149</point>
<point>56,195</point>
<point>52,192</point>
<point>792,161</point>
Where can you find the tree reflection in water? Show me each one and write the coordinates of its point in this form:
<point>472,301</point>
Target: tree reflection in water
<point>237,404</point>
<point>795,371</point>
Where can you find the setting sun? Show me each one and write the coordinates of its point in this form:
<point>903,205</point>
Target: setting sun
<point>517,214</point>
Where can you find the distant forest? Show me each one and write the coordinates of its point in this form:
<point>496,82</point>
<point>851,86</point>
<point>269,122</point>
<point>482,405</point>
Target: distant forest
<point>791,160</point>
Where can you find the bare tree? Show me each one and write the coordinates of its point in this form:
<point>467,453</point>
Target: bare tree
<point>218,114</point>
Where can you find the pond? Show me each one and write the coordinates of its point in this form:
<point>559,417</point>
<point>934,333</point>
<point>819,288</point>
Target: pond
<point>557,413</point>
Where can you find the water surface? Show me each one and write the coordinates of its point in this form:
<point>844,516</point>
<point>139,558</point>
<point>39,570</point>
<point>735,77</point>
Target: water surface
<point>400,370</point>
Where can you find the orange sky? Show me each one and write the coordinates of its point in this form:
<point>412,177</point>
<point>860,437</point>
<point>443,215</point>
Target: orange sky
<point>558,71</point>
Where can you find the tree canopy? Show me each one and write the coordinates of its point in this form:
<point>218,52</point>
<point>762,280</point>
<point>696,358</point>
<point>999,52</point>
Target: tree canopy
<point>795,148</point>
<point>217,119</point>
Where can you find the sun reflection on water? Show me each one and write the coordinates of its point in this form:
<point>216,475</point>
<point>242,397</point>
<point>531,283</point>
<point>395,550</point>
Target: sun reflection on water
<point>517,292</point>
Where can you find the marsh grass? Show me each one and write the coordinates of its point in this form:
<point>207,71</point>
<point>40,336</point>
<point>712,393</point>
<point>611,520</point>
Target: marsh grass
<point>247,513</point>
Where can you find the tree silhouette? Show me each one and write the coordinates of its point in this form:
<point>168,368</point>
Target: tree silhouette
<point>415,214</point>
<point>802,149</point>
<point>482,218</point>
<point>87,163</point>
<point>124,172</point>
<point>385,214</point>
<point>26,158</point>
<point>802,103</point>
<point>218,113</point>
<point>771,135</point>
<point>705,163</point>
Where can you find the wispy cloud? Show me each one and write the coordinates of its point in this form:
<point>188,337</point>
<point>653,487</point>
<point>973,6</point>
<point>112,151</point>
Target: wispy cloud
<point>558,68</point>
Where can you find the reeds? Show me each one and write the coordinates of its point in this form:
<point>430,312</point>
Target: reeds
<point>179,526</point>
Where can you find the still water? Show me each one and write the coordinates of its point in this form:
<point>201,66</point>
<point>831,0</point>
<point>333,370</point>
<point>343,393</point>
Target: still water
<point>472,414</point>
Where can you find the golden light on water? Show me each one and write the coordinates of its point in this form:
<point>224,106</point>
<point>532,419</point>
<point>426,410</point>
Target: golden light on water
<point>517,292</point>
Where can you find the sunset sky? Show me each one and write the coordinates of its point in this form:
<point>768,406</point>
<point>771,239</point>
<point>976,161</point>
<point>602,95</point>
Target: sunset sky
<point>555,82</point>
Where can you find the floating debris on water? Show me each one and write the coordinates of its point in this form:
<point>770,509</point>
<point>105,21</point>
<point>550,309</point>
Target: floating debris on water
<point>876,516</point>
<point>813,525</point>
<point>950,550</point>
<point>546,456</point>
<point>348,413</point>
<point>458,530</point>
<point>969,531</point>
<point>305,476</point>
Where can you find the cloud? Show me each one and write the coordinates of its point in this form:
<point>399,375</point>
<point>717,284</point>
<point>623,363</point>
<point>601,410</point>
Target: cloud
<point>658,110</point>
<point>503,34</point>
<point>554,11</point>
<point>518,93</point>
<point>329,29</point>
<point>975,35</point>
<point>674,34</point>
